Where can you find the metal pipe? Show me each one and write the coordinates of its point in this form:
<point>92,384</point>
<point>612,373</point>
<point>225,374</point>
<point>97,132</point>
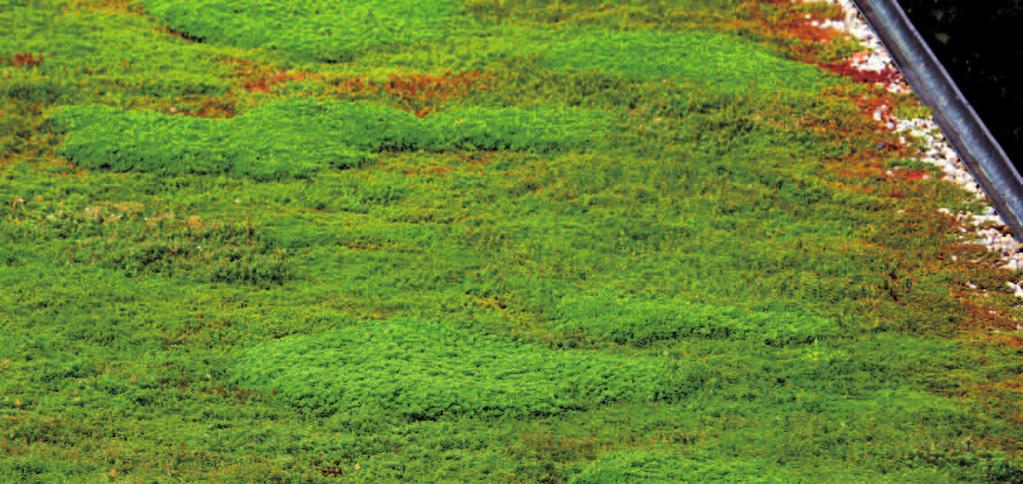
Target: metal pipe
<point>983,156</point>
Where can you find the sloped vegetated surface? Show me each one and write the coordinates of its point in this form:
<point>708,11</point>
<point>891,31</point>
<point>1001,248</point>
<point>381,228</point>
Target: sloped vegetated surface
<point>321,30</point>
<point>534,129</point>
<point>664,466</point>
<point>713,59</point>
<point>300,137</point>
<point>417,370</point>
<point>641,322</point>
<point>536,241</point>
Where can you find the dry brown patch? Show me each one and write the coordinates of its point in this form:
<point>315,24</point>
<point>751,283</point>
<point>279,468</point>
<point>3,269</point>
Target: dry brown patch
<point>415,92</point>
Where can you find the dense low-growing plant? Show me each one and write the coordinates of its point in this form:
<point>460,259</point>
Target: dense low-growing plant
<point>627,258</point>
<point>332,31</point>
<point>299,137</point>
<point>716,60</point>
<point>422,370</point>
<point>643,321</point>
<point>666,466</point>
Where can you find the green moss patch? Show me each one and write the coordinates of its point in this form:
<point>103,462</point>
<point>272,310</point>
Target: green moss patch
<point>665,466</point>
<point>713,61</point>
<point>320,29</point>
<point>118,55</point>
<point>416,370</point>
<point>629,252</point>
<point>477,128</point>
<point>643,321</point>
<point>299,137</point>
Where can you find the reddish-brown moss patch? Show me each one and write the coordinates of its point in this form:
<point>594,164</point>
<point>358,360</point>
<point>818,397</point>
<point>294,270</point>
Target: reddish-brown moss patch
<point>787,25</point>
<point>26,59</point>
<point>262,79</point>
<point>416,92</point>
<point>848,69</point>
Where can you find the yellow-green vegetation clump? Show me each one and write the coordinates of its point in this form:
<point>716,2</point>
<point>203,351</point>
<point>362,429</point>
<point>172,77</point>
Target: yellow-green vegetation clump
<point>325,30</point>
<point>299,137</point>
<point>714,59</point>
<point>479,241</point>
<point>642,322</point>
<point>422,370</point>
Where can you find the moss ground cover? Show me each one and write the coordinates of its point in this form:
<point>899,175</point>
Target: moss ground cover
<point>299,137</point>
<point>541,241</point>
<point>713,59</point>
<point>643,322</point>
<point>321,30</point>
<point>419,370</point>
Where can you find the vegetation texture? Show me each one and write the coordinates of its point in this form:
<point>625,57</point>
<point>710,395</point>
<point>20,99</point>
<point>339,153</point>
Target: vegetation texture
<point>301,137</point>
<point>480,241</point>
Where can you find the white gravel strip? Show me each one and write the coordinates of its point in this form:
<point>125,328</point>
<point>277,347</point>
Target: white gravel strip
<point>935,148</point>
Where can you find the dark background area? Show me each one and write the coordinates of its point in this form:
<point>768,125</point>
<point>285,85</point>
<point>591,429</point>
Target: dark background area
<point>980,42</point>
